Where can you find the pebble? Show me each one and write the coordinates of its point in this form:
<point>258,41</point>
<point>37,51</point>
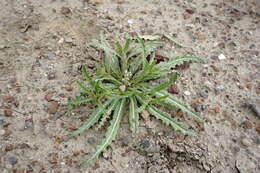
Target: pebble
<point>8,112</point>
<point>61,40</point>
<point>254,108</point>
<point>247,125</point>
<point>53,107</point>
<point>48,97</point>
<point>28,123</point>
<point>187,93</point>
<point>246,142</point>
<point>204,93</point>
<point>8,99</point>
<point>125,140</point>
<point>51,76</point>
<point>1,120</point>
<point>199,107</point>
<point>2,132</point>
<point>148,146</point>
<point>221,57</point>
<point>258,128</point>
<point>12,160</point>
<point>218,89</point>
<point>201,36</point>
<point>130,21</point>
<point>173,89</point>
<point>92,140</point>
<point>145,115</point>
<point>68,88</point>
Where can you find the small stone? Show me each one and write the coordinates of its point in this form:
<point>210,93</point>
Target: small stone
<point>61,40</point>
<point>247,125</point>
<point>68,88</point>
<point>28,123</point>
<point>246,142</point>
<point>201,36</point>
<point>130,21</point>
<point>204,93</point>
<point>2,132</point>
<point>200,108</point>
<point>217,109</point>
<point>254,108</point>
<point>8,112</point>
<point>9,148</point>
<point>221,57</point>
<point>145,115</point>
<point>125,140</point>
<point>8,99</point>
<point>258,128</point>
<point>218,89</point>
<point>51,76</point>
<point>65,11</point>
<point>1,121</point>
<point>12,160</point>
<point>92,140</point>
<point>173,89</point>
<point>120,1</point>
<point>187,93</point>
<point>53,107</point>
<point>97,2</point>
<point>48,97</point>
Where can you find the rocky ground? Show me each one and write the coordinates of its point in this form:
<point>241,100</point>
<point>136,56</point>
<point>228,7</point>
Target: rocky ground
<point>43,43</point>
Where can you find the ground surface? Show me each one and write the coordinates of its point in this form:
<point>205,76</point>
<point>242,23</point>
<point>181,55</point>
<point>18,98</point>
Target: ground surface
<point>44,42</point>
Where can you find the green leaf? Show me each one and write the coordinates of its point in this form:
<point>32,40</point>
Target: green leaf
<point>110,134</point>
<point>165,118</point>
<point>173,41</point>
<point>107,112</point>
<point>133,115</point>
<point>164,85</point>
<point>173,62</point>
<point>92,119</point>
<point>86,90</point>
<point>172,100</point>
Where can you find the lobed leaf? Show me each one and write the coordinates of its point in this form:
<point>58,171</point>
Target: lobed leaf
<point>93,118</point>
<point>110,134</point>
<point>173,62</point>
<point>172,100</point>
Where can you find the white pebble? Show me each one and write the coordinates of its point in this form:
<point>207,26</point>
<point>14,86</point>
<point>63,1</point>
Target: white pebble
<point>221,57</point>
<point>130,21</point>
<point>187,93</point>
<point>61,40</point>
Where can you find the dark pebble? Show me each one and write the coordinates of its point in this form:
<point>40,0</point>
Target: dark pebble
<point>51,76</point>
<point>92,140</point>
<point>204,93</point>
<point>199,108</point>
<point>125,140</point>
<point>12,160</point>
<point>255,109</point>
<point>1,121</point>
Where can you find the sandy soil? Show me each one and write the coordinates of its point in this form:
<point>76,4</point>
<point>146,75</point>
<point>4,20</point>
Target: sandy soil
<point>43,43</point>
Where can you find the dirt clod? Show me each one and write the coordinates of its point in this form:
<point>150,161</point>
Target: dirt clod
<point>8,112</point>
<point>53,107</point>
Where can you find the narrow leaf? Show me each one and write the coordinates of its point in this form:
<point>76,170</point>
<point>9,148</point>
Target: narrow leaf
<point>110,134</point>
<point>93,118</point>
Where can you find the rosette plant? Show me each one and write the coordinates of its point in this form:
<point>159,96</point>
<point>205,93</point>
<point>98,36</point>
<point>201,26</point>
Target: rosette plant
<point>122,86</point>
